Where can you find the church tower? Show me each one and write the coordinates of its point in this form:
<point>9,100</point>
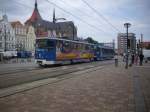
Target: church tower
<point>35,17</point>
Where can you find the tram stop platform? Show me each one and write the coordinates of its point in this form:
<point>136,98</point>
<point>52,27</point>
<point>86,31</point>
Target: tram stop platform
<point>109,89</point>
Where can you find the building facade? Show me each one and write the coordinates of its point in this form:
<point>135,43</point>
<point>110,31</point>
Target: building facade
<point>7,35</point>
<point>146,44</point>
<point>122,43</point>
<point>44,28</point>
<point>20,34</point>
<point>30,40</point>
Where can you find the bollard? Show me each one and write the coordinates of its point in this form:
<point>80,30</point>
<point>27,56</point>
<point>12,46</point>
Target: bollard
<point>116,62</point>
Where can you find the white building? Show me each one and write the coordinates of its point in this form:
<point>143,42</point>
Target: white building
<point>20,34</point>
<point>30,40</point>
<point>7,35</point>
<point>122,43</point>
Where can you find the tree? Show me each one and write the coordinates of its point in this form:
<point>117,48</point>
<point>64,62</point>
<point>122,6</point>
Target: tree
<point>91,40</point>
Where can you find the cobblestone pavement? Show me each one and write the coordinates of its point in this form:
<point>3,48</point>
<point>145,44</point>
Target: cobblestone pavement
<point>106,90</point>
<point>144,76</point>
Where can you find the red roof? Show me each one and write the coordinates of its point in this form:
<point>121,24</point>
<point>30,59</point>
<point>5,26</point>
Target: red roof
<point>35,15</point>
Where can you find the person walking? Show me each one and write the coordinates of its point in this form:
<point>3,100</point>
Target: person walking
<point>132,58</point>
<point>141,56</point>
<point>124,57</point>
<point>136,59</point>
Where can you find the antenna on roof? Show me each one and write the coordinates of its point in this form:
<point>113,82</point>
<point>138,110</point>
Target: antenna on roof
<point>36,4</point>
<point>54,18</point>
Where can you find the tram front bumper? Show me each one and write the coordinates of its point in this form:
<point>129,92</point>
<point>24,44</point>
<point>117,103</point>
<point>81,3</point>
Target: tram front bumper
<point>44,62</point>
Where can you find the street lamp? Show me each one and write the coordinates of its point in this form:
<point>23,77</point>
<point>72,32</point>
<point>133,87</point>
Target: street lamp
<point>127,25</point>
<point>5,37</point>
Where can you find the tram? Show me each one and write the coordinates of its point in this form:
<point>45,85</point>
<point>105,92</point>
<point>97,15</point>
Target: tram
<point>50,51</point>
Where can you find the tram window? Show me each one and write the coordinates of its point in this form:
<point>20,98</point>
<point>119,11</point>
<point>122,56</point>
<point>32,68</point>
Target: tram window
<point>92,47</point>
<point>45,43</point>
<point>58,45</point>
<point>71,45</point>
<point>75,46</point>
<point>83,46</point>
<point>41,43</point>
<point>79,47</point>
<point>50,44</point>
<point>86,47</point>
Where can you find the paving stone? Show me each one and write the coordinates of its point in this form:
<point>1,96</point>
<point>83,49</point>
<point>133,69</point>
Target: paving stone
<point>106,90</point>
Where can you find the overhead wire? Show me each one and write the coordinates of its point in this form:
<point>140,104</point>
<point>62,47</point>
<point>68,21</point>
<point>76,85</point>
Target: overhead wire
<point>81,11</point>
<point>26,5</point>
<point>100,15</point>
<point>93,26</point>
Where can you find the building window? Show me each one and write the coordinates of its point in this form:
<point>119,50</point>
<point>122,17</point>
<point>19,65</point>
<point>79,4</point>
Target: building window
<point>0,45</point>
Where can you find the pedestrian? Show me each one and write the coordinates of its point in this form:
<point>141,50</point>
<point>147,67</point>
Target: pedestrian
<point>124,57</point>
<point>136,59</point>
<point>141,56</point>
<point>132,58</point>
<point>116,60</point>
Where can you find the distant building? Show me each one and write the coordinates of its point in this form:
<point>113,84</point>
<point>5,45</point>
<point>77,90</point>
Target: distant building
<point>20,34</point>
<point>44,28</point>
<point>122,43</point>
<point>7,35</point>
<point>146,44</point>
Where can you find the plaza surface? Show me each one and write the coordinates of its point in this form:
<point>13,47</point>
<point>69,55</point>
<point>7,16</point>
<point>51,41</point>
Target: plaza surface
<point>109,89</point>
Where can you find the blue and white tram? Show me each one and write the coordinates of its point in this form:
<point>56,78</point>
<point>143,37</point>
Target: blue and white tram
<point>57,51</point>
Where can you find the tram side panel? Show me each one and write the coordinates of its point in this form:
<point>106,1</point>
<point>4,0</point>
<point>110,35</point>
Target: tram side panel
<point>73,51</point>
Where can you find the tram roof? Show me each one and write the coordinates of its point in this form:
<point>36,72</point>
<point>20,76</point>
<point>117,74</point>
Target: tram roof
<point>75,41</point>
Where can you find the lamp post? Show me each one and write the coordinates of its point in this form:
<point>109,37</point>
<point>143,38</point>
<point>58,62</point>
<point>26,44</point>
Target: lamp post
<point>73,31</point>
<point>141,43</point>
<point>4,37</point>
<point>127,25</point>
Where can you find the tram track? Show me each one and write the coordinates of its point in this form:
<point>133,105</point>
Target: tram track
<point>4,92</point>
<point>30,76</point>
<point>21,70</point>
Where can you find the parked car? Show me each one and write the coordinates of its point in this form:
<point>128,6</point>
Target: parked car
<point>9,54</point>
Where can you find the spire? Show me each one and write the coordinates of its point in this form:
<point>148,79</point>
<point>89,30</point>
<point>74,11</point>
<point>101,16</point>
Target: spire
<point>35,4</point>
<point>54,19</point>
<point>35,15</point>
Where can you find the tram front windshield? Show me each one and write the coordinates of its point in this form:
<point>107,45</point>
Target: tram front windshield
<point>44,43</point>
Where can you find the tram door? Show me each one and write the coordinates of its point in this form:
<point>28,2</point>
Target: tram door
<point>45,49</point>
<point>51,50</point>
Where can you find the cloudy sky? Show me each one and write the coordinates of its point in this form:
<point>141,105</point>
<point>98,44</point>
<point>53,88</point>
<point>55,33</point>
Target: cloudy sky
<point>117,12</point>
